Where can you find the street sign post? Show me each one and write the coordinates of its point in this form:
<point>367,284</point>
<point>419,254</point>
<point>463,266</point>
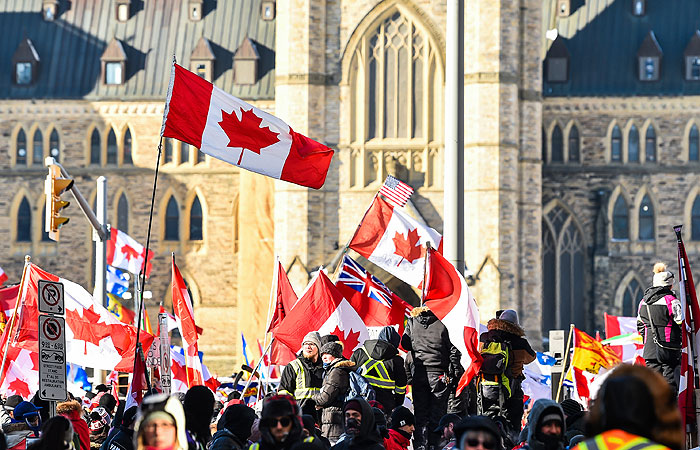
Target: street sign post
<point>50,297</point>
<point>165,380</point>
<point>52,358</point>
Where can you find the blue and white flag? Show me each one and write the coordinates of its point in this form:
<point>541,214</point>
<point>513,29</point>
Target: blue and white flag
<point>538,377</point>
<point>77,375</point>
<point>117,281</point>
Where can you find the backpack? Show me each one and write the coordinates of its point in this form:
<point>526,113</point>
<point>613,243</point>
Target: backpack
<point>359,387</point>
<point>496,358</point>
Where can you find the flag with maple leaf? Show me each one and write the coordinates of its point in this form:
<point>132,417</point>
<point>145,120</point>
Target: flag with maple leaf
<point>322,308</point>
<point>395,241</point>
<point>3,276</point>
<point>125,252</point>
<point>229,129</point>
<point>182,306</point>
<point>178,372</point>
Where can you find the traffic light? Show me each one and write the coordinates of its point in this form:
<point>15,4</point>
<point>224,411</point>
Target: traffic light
<point>54,187</point>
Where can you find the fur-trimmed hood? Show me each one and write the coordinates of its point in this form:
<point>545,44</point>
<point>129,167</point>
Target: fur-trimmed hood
<point>344,363</point>
<point>415,312</point>
<point>504,325</point>
<point>67,407</point>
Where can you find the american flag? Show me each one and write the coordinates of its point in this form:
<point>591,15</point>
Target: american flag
<point>396,191</point>
<point>356,277</point>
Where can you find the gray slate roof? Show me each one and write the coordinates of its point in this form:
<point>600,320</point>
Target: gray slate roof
<point>603,38</point>
<point>71,46</point>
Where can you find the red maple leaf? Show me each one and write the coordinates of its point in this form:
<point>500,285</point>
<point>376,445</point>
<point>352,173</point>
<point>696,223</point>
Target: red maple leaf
<point>129,252</point>
<point>19,387</point>
<point>246,133</point>
<point>349,342</point>
<point>406,246</point>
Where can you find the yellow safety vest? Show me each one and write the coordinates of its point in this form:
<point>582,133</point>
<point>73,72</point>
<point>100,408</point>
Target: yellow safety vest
<point>301,390</point>
<point>256,446</point>
<point>377,375</point>
<point>619,440</point>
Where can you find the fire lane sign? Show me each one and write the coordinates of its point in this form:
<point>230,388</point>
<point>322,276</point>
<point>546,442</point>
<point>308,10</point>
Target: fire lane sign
<point>52,357</point>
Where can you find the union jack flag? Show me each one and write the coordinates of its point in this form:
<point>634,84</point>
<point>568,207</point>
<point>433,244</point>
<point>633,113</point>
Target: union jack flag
<point>356,277</point>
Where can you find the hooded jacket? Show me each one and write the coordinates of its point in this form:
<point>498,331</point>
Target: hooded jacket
<point>511,333</point>
<point>234,428</point>
<point>72,411</point>
<point>384,349</point>
<point>427,338</point>
<point>368,438</point>
<point>313,379</point>
<point>540,409</point>
<point>396,441</point>
<point>281,406</point>
<point>170,405</point>
<point>666,315</point>
<point>331,397</point>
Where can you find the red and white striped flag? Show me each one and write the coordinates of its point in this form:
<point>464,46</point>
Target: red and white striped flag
<point>396,191</point>
<point>182,306</point>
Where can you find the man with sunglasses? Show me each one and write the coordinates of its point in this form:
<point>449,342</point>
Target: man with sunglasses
<point>280,425</point>
<point>478,433</point>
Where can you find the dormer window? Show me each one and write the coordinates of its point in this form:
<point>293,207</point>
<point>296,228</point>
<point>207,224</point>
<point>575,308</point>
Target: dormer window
<point>195,10</point>
<point>26,63</point>
<point>557,62</point>
<point>114,63</point>
<point>122,11</point>
<point>245,63</point>
<point>49,10</point>
<point>268,10</point>
<point>639,7</point>
<point>691,55</point>
<point>202,59</point>
<point>649,58</point>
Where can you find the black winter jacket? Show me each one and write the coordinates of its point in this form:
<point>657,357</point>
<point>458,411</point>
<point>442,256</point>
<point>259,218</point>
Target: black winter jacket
<point>121,439</point>
<point>663,305</point>
<point>542,408</point>
<point>331,398</point>
<point>225,440</point>
<point>381,350</point>
<point>368,438</point>
<point>427,338</point>
<point>313,378</point>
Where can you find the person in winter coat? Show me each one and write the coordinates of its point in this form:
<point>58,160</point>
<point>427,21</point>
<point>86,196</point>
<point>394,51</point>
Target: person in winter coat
<point>57,432</point>
<point>336,384</point>
<point>312,430</point>
<point>303,377</point>
<point>160,424</point>
<point>72,410</point>
<point>403,423</point>
<point>448,439</point>
<point>435,362</point>
<point>281,427</point>
<point>360,429</point>
<point>379,362</point>
<point>506,330</point>
<point>662,342</point>
<point>100,422</point>
<point>546,427</point>
<point>634,409</point>
<point>122,436</point>
<point>199,406</point>
<point>575,418</point>
<point>233,429</point>
<point>477,433</point>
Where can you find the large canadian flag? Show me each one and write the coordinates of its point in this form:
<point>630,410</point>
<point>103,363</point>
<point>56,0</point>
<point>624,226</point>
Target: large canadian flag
<point>182,306</point>
<point>126,253</point>
<point>448,297</point>
<point>322,308</point>
<point>395,241</point>
<point>229,129</point>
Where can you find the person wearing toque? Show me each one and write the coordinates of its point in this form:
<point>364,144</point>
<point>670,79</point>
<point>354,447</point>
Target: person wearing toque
<point>336,384</point>
<point>303,377</point>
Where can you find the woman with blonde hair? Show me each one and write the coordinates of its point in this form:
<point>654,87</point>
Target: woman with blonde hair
<point>161,424</point>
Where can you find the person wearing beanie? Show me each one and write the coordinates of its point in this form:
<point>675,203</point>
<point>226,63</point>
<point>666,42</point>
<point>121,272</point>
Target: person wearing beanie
<point>659,319</point>
<point>546,426</point>
<point>281,426</point>
<point>100,422</point>
<point>506,331</point>
<point>199,406</point>
<point>575,418</point>
<point>379,362</point>
<point>336,384</point>
<point>233,429</point>
<point>73,411</point>
<point>122,436</point>
<point>360,429</point>
<point>303,377</point>
<point>477,433</point>
<point>402,426</point>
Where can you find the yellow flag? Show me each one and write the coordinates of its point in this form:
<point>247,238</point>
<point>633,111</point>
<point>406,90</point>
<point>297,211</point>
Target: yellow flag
<point>590,355</point>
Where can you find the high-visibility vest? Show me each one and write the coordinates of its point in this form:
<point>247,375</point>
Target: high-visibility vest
<point>256,446</point>
<point>377,375</point>
<point>301,390</point>
<point>619,440</point>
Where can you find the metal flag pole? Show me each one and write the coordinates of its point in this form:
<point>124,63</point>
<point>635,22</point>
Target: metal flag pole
<point>255,369</point>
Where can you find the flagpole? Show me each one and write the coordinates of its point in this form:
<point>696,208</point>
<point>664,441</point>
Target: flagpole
<point>273,293</point>
<point>566,355</point>
<point>681,261</point>
<point>255,369</point>
<point>425,273</point>
<point>7,332</point>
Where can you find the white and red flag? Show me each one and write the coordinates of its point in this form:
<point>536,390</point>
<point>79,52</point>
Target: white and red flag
<point>690,335</point>
<point>622,337</point>
<point>448,297</point>
<point>125,252</point>
<point>178,372</point>
<point>3,276</point>
<point>182,306</point>
<point>395,241</point>
<point>229,129</point>
<point>285,298</point>
<point>322,308</point>
<point>138,384</point>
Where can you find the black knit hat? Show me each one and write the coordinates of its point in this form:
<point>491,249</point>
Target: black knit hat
<point>402,416</point>
<point>280,406</point>
<point>335,349</point>
<point>238,419</point>
<point>571,407</point>
<point>329,338</point>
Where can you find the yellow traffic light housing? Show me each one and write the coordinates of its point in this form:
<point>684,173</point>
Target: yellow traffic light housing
<point>54,187</point>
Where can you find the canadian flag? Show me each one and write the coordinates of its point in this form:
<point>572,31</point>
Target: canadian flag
<point>21,374</point>
<point>178,372</point>
<point>395,241</point>
<point>285,298</point>
<point>182,306</point>
<point>8,299</point>
<point>448,297</point>
<point>629,352</point>
<point>229,129</point>
<point>322,308</point>
<point>3,276</point>
<point>126,253</point>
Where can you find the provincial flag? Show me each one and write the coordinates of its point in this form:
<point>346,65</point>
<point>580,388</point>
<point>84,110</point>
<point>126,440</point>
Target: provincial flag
<point>121,312</point>
<point>3,276</point>
<point>395,241</point>
<point>124,252</point>
<point>117,282</point>
<point>376,305</point>
<point>182,306</point>
<point>591,359</point>
<point>322,308</point>
<point>448,297</point>
<point>229,129</point>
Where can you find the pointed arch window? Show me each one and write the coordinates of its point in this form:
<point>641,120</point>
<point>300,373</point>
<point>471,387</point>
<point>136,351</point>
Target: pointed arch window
<point>172,220</point>
<point>633,144</point>
<point>21,144</point>
<point>55,145</point>
<point>544,145</point>
<point>196,220</point>
<point>127,147</point>
<point>24,221</point>
<point>695,220</point>
<point>184,153</point>
<point>620,219</point>
<point>95,148</point>
<point>616,145</point>
<point>693,143</point>
<point>557,144</point>
<point>123,214</point>
<point>574,144</point>
<point>650,144</point>
<point>168,151</point>
<point>111,147</point>
<point>633,293</point>
<point>646,220</point>
<point>38,148</point>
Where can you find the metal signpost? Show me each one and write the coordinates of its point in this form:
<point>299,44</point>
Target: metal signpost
<point>52,344</point>
<point>165,380</point>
